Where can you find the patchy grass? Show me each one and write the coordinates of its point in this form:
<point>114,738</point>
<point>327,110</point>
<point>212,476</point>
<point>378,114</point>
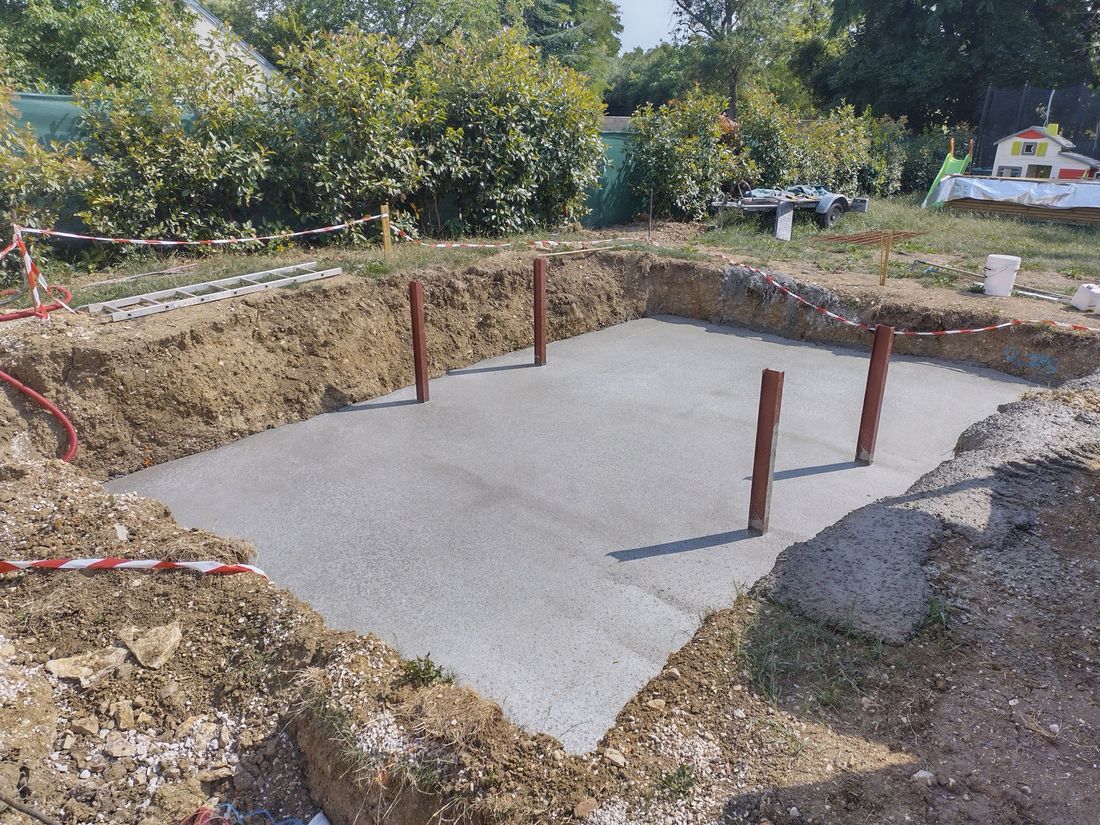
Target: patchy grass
<point>422,672</point>
<point>678,782</point>
<point>967,238</point>
<point>791,659</point>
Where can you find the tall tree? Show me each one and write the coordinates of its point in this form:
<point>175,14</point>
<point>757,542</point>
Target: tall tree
<point>582,34</point>
<point>735,34</point>
<point>930,59</point>
<point>273,26</point>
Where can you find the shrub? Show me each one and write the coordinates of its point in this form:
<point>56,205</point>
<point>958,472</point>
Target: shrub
<point>519,142</point>
<point>680,154</point>
<point>180,154</point>
<point>843,150</point>
<point>350,128</point>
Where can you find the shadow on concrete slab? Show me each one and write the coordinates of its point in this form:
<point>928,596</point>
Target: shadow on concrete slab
<point>682,545</point>
<point>499,368</point>
<point>403,402</point>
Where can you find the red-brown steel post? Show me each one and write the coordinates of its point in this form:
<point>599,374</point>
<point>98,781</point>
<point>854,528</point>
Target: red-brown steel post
<point>872,398</point>
<point>540,311</point>
<point>420,355</point>
<point>763,463</point>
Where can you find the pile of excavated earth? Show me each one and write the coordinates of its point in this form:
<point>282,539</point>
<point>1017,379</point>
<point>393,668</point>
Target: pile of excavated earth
<point>138,697</point>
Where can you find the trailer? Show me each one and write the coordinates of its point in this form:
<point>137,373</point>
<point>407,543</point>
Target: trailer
<point>828,207</point>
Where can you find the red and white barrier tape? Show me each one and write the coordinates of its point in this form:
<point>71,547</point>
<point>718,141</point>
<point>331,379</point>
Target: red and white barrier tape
<point>540,244</point>
<point>906,332</point>
<point>209,568</point>
<point>56,233</point>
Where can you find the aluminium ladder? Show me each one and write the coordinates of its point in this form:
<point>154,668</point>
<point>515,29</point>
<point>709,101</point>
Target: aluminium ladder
<point>136,306</point>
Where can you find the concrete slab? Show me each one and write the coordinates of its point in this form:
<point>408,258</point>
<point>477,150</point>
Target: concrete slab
<point>553,533</point>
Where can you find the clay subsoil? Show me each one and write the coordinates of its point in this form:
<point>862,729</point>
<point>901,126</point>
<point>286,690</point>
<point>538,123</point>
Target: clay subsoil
<point>764,716</point>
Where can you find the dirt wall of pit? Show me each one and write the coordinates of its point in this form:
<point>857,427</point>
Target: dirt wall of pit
<point>155,389</point>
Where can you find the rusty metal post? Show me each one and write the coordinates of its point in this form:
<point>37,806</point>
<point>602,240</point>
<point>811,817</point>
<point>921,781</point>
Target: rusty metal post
<point>420,355</point>
<point>872,398</point>
<point>763,463</point>
<point>540,311</point>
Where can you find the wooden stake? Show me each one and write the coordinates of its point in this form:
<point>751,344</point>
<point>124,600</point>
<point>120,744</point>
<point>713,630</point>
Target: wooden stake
<point>387,238</point>
<point>884,258</point>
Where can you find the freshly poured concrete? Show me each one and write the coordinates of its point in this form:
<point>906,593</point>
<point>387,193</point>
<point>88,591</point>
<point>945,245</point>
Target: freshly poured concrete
<point>553,533</point>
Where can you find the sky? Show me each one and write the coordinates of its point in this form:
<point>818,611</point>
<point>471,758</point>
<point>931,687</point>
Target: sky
<point>645,22</point>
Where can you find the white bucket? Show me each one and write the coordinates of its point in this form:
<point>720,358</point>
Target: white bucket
<point>1095,292</point>
<point>1086,297</point>
<point>1000,274</point>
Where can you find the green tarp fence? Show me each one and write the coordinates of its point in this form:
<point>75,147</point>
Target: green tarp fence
<point>53,117</point>
<point>57,118</point>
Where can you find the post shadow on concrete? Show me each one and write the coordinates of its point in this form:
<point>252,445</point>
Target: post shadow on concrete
<point>818,469</point>
<point>498,368</point>
<point>681,545</point>
<point>377,405</point>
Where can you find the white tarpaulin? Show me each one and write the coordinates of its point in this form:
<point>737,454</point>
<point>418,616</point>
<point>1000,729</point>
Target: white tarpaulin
<point>1061,194</point>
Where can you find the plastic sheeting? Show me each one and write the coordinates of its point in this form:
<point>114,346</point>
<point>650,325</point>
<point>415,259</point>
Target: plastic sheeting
<point>1048,195</point>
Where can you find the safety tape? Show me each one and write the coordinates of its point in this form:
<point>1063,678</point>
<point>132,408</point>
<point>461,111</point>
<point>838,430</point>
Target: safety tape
<point>905,332</point>
<point>540,244</point>
<point>56,233</point>
<point>211,568</point>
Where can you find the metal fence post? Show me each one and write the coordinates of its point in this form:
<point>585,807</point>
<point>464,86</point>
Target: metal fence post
<point>420,356</point>
<point>540,311</point>
<point>763,463</point>
<point>872,397</point>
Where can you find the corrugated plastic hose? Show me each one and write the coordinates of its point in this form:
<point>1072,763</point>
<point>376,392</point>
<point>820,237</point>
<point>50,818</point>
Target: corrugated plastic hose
<point>53,409</point>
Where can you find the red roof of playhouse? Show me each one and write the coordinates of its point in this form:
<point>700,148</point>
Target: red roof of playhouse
<point>1038,133</point>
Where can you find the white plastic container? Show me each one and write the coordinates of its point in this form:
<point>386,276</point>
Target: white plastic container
<point>1086,297</point>
<point>1095,292</point>
<point>1000,274</point>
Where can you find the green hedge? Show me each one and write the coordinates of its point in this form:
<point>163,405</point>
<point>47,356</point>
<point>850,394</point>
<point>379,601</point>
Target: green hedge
<point>200,145</point>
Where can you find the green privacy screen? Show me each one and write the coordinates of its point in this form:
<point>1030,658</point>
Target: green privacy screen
<point>53,117</point>
<point>611,202</point>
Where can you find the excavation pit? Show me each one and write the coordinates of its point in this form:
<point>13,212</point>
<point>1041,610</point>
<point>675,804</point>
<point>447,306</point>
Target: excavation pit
<point>552,533</point>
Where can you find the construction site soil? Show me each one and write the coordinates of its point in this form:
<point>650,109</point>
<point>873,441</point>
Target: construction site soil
<point>190,690</point>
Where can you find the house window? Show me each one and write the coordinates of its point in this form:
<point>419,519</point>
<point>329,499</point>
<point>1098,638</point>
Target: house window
<point>1009,171</point>
<point>1035,171</point>
<point>1029,148</point>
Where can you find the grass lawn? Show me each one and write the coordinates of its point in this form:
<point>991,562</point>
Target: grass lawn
<point>961,240</point>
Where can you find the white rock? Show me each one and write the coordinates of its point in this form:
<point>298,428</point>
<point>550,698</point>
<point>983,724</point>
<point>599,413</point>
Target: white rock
<point>927,777</point>
<point>615,757</point>
<point>738,713</point>
<point>122,533</point>
<point>155,646</point>
<point>87,667</point>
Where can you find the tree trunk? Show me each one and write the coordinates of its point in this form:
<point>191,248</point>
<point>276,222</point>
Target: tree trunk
<point>734,85</point>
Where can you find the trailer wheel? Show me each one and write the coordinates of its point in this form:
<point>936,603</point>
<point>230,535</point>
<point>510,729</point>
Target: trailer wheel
<point>831,215</point>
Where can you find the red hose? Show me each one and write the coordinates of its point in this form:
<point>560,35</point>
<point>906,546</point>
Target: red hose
<point>65,294</point>
<point>53,409</point>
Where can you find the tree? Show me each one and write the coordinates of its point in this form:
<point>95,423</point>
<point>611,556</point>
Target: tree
<point>582,34</point>
<point>276,26</point>
<point>655,76</point>
<point>930,60</point>
<point>682,153</point>
<point>55,44</point>
<point>734,35</point>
